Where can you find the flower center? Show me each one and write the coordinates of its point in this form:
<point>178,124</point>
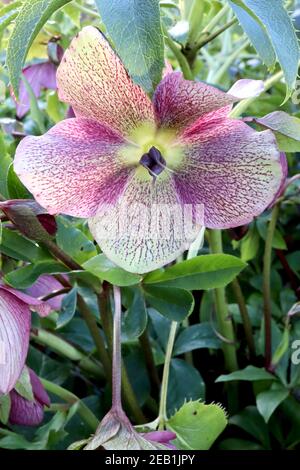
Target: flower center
<point>153,161</point>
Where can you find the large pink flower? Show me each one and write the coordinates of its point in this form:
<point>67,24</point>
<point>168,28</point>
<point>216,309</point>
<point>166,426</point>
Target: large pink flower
<point>127,159</point>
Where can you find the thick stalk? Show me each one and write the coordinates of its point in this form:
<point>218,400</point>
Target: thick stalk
<point>116,355</point>
<point>84,412</point>
<point>267,286</point>
<point>244,315</point>
<point>224,321</point>
<point>162,416</point>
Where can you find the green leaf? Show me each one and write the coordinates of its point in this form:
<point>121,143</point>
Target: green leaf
<point>136,32</point>
<point>5,403</point>
<point>175,304</point>
<point>197,425</point>
<point>68,308</point>
<point>285,127</point>
<point>281,33</point>
<point>23,386</point>
<point>255,31</point>
<point>30,20</point>
<point>199,273</point>
<point>106,270</point>
<point>16,189</point>
<point>8,13</point>
<point>135,318</point>
<point>250,373</point>
<point>5,163</point>
<point>20,248</point>
<point>282,346</point>
<point>196,337</point>
<point>251,421</point>
<point>268,401</point>
<point>185,383</point>
<point>250,245</point>
<point>27,275</point>
<point>74,242</point>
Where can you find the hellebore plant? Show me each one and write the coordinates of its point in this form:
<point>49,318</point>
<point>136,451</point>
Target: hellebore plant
<point>148,175</point>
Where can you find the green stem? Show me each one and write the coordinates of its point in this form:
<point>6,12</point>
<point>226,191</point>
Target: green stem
<point>107,324</point>
<point>267,286</point>
<point>116,354</point>
<point>162,416</point>
<point>181,59</point>
<point>214,35</point>
<point>62,256</point>
<point>241,107</point>
<point>215,20</point>
<point>96,335</point>
<point>86,10</point>
<point>150,364</point>
<point>84,412</point>
<point>195,20</point>
<point>65,349</point>
<point>224,68</point>
<point>224,321</point>
<point>244,315</point>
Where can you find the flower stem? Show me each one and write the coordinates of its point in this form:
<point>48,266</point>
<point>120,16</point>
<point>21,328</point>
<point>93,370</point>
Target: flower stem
<point>215,20</point>
<point>267,286</point>
<point>116,356</point>
<point>241,107</point>
<point>195,20</point>
<point>224,321</point>
<point>181,59</point>
<point>65,349</point>
<point>86,10</point>
<point>214,35</point>
<point>244,315</point>
<point>107,324</point>
<point>84,412</point>
<point>162,416</point>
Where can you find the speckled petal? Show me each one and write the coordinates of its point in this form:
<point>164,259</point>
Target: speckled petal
<point>92,79</point>
<point>24,412</point>
<point>73,167</point>
<point>178,102</point>
<point>14,339</point>
<point>230,168</point>
<point>148,228</point>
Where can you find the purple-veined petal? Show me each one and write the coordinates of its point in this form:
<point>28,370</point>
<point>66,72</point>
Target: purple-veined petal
<point>234,171</point>
<point>178,102</point>
<point>39,392</point>
<point>45,285</point>
<point>15,321</point>
<point>39,76</point>
<point>92,79</point>
<point>24,412</point>
<point>148,227</point>
<point>73,167</point>
<point>42,308</point>
<point>284,165</point>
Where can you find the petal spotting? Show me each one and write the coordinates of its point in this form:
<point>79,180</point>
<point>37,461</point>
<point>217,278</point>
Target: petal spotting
<point>234,171</point>
<point>92,79</point>
<point>73,167</point>
<point>178,102</point>
<point>148,227</point>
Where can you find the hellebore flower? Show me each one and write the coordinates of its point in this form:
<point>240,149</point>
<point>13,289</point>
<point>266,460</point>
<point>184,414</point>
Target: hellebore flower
<point>25,412</point>
<point>39,76</point>
<point>133,166</point>
<point>15,321</point>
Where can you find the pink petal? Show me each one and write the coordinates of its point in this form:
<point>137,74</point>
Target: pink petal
<point>42,308</point>
<point>92,79</point>
<point>230,168</point>
<point>73,167</point>
<point>246,88</point>
<point>39,392</point>
<point>45,285</point>
<point>179,103</point>
<point>24,412</point>
<point>14,338</point>
<point>38,76</point>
